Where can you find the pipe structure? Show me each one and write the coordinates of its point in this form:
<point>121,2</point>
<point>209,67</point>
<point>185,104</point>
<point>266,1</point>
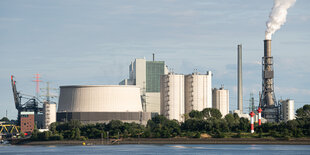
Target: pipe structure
<point>259,110</point>
<point>252,121</point>
<point>240,97</point>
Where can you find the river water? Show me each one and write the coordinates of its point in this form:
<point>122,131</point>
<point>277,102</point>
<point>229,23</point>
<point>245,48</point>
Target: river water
<point>156,149</point>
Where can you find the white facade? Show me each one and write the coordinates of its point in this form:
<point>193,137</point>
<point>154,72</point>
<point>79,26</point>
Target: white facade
<point>198,91</point>
<point>138,73</point>
<point>152,102</point>
<point>287,109</point>
<point>49,112</point>
<point>172,96</point>
<point>99,98</point>
<point>221,100</point>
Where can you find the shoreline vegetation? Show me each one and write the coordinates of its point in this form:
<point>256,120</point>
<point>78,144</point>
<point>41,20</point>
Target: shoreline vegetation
<point>200,127</point>
<point>162,141</point>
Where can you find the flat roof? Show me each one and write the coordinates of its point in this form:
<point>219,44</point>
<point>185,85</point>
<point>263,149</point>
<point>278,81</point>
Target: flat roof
<point>27,113</point>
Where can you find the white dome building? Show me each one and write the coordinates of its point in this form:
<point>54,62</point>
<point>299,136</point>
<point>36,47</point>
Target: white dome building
<point>101,103</point>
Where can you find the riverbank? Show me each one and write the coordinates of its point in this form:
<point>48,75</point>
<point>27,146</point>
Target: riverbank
<point>293,141</point>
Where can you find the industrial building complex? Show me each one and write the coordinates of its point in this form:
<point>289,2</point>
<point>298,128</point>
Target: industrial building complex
<point>150,90</point>
<point>146,76</point>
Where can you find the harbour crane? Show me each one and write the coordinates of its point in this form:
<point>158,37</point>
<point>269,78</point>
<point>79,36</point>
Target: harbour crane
<point>32,103</point>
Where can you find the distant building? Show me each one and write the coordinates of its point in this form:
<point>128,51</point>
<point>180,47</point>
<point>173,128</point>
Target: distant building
<point>220,100</point>
<point>146,75</point>
<point>27,121</point>
<point>172,96</point>
<point>49,113</point>
<point>198,91</point>
<point>287,110</point>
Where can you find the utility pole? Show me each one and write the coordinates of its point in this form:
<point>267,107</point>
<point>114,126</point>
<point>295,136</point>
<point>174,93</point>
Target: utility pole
<point>37,80</point>
<point>48,96</point>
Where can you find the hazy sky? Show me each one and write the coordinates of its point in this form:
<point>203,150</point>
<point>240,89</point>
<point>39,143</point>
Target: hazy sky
<point>93,42</point>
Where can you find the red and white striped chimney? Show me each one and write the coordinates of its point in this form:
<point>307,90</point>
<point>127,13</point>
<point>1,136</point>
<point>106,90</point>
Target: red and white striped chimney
<point>259,110</point>
<point>252,121</point>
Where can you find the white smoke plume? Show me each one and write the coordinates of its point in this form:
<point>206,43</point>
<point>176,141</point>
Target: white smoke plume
<point>277,16</point>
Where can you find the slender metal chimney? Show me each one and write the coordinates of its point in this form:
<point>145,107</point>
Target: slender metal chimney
<point>240,94</point>
<point>153,56</point>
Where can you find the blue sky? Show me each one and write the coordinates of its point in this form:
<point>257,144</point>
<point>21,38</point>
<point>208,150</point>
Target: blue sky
<point>93,42</point>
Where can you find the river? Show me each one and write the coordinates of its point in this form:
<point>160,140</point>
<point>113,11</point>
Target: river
<point>156,149</point>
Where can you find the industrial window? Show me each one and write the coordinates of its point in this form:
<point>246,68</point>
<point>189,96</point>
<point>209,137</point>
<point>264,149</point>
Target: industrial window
<point>24,115</point>
<point>153,71</point>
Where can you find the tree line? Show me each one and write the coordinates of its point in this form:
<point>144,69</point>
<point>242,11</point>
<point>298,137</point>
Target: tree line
<point>208,122</point>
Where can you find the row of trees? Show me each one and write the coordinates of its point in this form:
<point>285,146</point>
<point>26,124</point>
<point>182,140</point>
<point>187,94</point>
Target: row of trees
<point>207,122</point>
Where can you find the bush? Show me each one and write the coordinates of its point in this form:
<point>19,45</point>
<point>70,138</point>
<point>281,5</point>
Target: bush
<point>197,135</point>
<point>218,134</point>
<point>22,135</point>
<point>238,135</point>
<point>83,138</point>
<point>55,137</point>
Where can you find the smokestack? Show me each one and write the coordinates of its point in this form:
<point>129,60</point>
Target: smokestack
<point>153,56</point>
<point>267,48</point>
<point>240,94</point>
<point>268,74</point>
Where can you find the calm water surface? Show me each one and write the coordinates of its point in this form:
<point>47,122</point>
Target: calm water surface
<point>157,149</point>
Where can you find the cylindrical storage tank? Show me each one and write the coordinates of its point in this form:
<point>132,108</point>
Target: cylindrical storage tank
<point>290,109</point>
<point>198,92</point>
<point>220,100</point>
<point>172,96</point>
<point>99,98</point>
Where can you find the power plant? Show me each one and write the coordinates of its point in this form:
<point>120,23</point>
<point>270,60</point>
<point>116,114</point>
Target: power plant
<point>152,90</point>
